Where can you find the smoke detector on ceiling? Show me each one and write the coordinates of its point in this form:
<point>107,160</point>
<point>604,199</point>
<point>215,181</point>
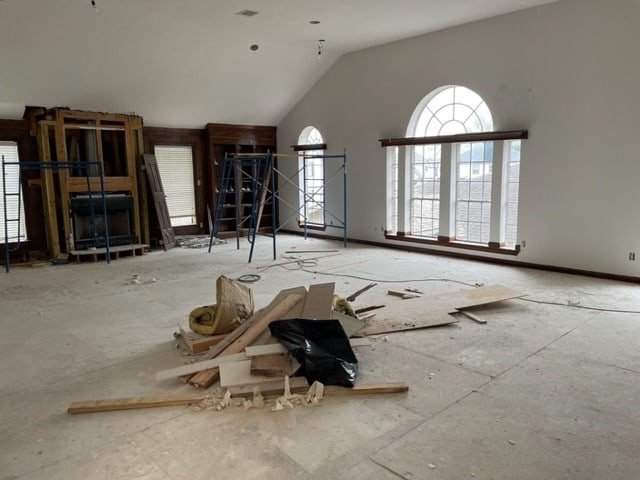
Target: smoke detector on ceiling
<point>247,13</point>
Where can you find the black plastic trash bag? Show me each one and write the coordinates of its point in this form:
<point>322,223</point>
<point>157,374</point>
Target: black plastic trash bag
<point>321,347</point>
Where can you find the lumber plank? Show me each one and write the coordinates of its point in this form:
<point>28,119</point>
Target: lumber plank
<point>206,377</point>
<point>273,387</point>
<point>319,301</point>
<point>242,328</point>
<point>136,402</point>
<point>196,343</point>
<point>239,373</point>
<point>367,389</point>
<point>472,316</point>
<point>433,310</point>
<point>199,366</point>
<point>256,350</point>
<point>357,293</point>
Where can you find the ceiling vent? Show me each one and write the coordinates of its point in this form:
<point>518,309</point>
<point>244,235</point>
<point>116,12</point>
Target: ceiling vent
<point>247,13</point>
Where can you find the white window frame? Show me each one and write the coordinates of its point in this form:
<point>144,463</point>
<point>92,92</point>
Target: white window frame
<point>10,152</point>
<point>311,179</point>
<point>175,164</point>
<point>500,205</point>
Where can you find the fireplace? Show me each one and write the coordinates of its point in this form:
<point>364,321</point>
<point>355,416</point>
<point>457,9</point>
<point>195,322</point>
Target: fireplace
<point>119,215</point>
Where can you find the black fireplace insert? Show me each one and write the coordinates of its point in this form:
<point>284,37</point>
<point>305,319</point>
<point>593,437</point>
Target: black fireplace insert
<point>89,230</point>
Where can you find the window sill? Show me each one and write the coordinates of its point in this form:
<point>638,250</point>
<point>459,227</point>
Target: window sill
<point>440,242</point>
<point>313,226</point>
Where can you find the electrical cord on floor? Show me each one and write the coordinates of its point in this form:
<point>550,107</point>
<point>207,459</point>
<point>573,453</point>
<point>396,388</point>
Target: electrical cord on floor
<point>474,285</point>
<point>573,305</point>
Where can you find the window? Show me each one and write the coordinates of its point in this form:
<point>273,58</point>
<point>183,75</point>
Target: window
<point>311,179</point>
<point>175,164</point>
<point>16,231</point>
<point>465,191</point>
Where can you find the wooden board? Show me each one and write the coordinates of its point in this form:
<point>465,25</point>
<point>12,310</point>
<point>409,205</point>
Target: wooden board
<point>159,200</point>
<point>319,301</point>
<point>277,300</point>
<point>256,350</point>
<point>205,378</point>
<point>433,310</point>
<point>199,343</point>
<point>239,373</point>
<point>350,325</point>
<point>136,402</point>
<point>297,385</point>
<point>199,366</point>
<point>367,389</point>
<point>276,365</point>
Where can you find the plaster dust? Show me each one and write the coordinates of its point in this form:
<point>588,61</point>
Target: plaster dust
<point>540,391</point>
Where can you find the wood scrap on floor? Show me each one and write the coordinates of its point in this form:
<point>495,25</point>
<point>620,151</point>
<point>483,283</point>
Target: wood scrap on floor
<point>434,310</point>
<point>258,323</point>
<point>403,294</point>
<point>358,311</point>
<point>357,293</point>
<point>274,365</point>
<point>472,316</point>
<point>239,373</point>
<point>195,343</point>
<point>296,384</point>
<point>350,325</point>
<point>319,301</point>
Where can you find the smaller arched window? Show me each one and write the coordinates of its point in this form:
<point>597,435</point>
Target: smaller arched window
<point>311,178</point>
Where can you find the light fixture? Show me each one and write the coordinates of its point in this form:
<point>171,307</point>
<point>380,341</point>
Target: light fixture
<point>314,22</point>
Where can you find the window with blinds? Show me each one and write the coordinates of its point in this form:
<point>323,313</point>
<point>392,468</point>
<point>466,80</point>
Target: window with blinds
<point>15,231</point>
<point>175,164</point>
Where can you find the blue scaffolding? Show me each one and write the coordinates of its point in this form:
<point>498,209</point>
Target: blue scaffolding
<point>17,196</point>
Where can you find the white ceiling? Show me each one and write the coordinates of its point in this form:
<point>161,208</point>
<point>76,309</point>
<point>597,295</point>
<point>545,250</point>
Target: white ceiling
<point>183,63</point>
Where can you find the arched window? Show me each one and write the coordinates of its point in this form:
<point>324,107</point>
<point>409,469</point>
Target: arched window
<point>451,184</point>
<point>311,179</point>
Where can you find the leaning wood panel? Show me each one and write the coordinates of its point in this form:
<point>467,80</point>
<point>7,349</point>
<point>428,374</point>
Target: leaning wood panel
<point>159,200</point>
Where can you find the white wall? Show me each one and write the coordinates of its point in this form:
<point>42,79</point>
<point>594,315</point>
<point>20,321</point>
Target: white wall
<point>568,72</point>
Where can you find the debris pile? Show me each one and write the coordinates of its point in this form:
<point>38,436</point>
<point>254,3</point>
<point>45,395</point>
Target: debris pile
<point>251,364</point>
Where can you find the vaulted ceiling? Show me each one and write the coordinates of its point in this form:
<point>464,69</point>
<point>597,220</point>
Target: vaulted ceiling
<point>183,63</point>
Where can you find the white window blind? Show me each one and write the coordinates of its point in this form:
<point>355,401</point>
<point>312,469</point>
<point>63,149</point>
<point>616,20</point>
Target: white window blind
<point>15,208</point>
<point>175,164</point>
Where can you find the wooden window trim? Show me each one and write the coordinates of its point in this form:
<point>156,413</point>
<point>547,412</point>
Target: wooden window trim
<point>452,243</point>
<point>310,147</point>
<point>461,138</point>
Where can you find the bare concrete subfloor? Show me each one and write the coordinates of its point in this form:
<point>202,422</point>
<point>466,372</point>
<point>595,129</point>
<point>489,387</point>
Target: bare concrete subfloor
<point>539,392</point>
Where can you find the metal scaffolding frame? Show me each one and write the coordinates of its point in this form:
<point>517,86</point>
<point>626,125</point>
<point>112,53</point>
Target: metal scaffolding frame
<point>339,172</point>
<point>256,170</point>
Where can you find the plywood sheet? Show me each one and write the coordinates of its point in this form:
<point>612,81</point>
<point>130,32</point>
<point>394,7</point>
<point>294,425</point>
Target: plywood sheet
<point>319,301</point>
<point>433,310</point>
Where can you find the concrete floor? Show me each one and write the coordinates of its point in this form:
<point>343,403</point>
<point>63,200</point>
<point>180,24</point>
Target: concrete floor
<point>539,392</point>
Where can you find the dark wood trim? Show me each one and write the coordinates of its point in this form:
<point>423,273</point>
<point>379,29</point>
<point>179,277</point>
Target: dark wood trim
<point>464,137</point>
<point>306,148</point>
<point>312,226</point>
<point>470,256</point>
<point>453,243</point>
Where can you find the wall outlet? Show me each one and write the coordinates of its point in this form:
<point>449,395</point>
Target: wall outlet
<point>632,255</point>
<point>523,243</point>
